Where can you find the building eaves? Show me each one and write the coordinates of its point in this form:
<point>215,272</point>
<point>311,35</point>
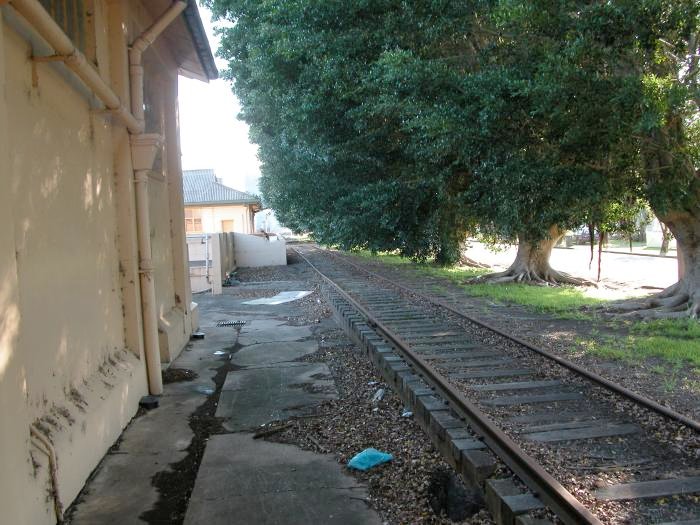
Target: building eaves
<point>251,202</point>
<point>199,37</point>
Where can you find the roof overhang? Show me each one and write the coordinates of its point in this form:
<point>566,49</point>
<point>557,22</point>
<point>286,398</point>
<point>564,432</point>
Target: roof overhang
<point>187,40</point>
<point>254,204</point>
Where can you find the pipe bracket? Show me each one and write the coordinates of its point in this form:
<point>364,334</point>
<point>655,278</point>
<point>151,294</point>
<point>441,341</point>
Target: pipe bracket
<point>146,266</point>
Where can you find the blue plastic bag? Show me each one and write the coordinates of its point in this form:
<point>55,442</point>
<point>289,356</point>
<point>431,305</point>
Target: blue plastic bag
<point>368,458</point>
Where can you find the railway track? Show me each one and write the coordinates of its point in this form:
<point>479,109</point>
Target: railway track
<point>545,440</point>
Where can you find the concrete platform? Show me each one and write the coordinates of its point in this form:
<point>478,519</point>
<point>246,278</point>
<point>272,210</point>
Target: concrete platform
<point>240,480</point>
<point>252,397</point>
<point>269,353</point>
<point>121,488</point>
<point>271,330</point>
<point>245,481</point>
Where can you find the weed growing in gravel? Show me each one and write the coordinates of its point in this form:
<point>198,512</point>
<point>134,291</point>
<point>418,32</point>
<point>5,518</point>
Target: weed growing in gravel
<point>658,369</point>
<point>670,383</point>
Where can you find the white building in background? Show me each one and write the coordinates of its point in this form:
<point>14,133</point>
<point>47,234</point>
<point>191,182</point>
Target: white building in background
<point>212,207</point>
<point>654,235</point>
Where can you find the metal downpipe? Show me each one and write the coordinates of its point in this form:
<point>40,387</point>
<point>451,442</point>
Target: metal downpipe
<point>146,279</point>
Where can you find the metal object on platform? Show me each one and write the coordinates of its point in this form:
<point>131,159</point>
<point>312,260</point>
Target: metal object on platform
<point>149,402</point>
<point>197,335</point>
<point>235,324</point>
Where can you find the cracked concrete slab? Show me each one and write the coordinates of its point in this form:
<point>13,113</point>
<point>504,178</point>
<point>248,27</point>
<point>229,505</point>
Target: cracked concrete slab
<point>254,396</point>
<point>273,353</point>
<point>237,308</point>
<point>260,334</point>
<point>266,483</point>
<point>119,491</point>
<point>118,483</point>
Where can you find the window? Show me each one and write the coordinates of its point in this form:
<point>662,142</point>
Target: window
<point>193,220</point>
<point>76,18</point>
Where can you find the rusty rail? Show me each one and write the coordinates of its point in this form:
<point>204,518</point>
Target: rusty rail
<point>631,395</point>
<point>548,489</point>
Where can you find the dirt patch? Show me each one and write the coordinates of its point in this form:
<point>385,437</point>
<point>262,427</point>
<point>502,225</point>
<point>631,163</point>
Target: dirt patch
<point>175,485</point>
<point>175,375</point>
<point>448,496</point>
<point>264,273</point>
<point>315,310</point>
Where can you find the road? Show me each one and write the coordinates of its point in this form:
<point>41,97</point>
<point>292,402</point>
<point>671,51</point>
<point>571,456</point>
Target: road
<point>632,271</point>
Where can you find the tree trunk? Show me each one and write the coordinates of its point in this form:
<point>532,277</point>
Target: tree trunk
<point>683,298</point>
<point>531,264</point>
<point>683,221</point>
<point>464,259</point>
<point>665,239</point>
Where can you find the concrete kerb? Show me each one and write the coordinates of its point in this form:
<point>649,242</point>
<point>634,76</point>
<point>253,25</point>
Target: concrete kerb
<point>453,438</point>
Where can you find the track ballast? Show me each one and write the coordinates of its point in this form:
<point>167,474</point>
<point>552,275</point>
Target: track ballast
<point>542,440</point>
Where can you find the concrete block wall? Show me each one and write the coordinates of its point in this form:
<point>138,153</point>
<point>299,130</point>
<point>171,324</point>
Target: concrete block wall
<point>224,252</point>
<point>253,251</point>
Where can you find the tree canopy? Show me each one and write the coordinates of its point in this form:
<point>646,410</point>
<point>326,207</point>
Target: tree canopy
<point>389,124</point>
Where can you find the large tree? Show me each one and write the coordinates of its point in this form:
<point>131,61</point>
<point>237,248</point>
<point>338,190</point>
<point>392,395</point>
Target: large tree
<point>625,74</point>
<point>299,69</point>
<point>388,124</point>
<point>391,124</point>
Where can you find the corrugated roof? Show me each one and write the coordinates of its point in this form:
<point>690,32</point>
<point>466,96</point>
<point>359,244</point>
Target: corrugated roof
<point>202,187</point>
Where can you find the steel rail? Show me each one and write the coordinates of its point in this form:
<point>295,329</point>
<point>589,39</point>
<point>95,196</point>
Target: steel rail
<point>543,484</point>
<point>592,376</point>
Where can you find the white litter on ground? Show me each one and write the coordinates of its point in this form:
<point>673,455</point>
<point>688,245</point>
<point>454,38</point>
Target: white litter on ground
<point>282,297</point>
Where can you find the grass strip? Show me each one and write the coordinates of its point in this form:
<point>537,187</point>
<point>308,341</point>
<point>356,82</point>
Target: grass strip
<point>676,341</point>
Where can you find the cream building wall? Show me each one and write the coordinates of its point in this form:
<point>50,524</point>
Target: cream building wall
<point>213,216</point>
<point>71,344</point>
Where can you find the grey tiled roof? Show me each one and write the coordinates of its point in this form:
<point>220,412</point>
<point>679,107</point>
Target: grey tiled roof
<point>202,187</point>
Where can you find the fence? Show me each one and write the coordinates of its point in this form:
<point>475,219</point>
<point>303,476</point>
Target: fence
<point>213,255</point>
<point>199,261</point>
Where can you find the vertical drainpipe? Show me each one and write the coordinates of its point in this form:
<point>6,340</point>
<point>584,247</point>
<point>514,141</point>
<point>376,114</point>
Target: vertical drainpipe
<point>143,149</point>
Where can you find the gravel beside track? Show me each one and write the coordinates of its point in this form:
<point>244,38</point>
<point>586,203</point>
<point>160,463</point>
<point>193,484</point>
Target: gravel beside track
<point>676,388</point>
<point>653,449</point>
<point>401,490</point>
